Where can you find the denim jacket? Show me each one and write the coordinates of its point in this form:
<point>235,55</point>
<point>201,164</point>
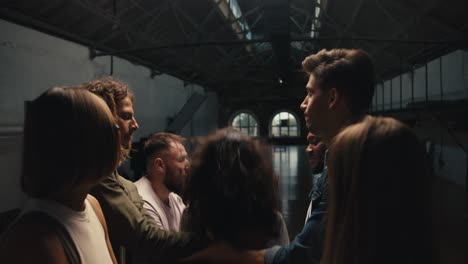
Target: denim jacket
<point>307,246</point>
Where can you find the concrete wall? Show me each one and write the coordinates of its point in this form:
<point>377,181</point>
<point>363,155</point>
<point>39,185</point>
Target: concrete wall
<point>447,78</point>
<point>454,77</point>
<point>31,62</point>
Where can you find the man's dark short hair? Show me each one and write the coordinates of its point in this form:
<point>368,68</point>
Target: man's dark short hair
<point>159,142</point>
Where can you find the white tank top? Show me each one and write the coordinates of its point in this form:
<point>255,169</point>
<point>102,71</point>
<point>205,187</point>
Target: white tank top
<point>84,228</point>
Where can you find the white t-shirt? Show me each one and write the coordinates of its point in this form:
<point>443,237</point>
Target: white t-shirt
<point>166,216</point>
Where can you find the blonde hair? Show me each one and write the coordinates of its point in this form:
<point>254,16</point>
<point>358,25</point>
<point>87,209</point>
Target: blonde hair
<point>70,139</point>
<point>378,196</point>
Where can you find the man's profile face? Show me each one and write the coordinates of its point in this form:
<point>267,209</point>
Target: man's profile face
<point>126,121</point>
<point>315,152</point>
<point>177,166</point>
<point>315,107</point>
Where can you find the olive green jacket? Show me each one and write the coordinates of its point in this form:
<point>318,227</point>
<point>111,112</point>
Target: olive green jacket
<point>131,227</point>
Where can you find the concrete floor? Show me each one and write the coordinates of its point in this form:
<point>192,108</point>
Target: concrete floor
<point>290,163</point>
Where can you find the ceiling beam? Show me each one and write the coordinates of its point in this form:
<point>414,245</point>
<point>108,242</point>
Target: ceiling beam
<point>145,38</point>
<point>129,26</point>
<point>94,9</point>
<point>201,31</point>
<point>24,19</point>
<point>296,23</point>
<point>406,26</point>
<point>350,24</point>
<point>371,42</point>
<point>430,19</point>
<point>240,42</point>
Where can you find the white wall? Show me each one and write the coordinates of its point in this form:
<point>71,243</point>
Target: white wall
<point>31,62</point>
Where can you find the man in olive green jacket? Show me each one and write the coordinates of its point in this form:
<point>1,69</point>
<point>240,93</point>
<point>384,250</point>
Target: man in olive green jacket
<point>130,226</point>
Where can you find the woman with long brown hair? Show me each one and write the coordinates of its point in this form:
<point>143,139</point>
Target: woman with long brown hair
<point>378,211</point>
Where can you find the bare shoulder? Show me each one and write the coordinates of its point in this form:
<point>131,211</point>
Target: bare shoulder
<point>98,210</point>
<point>95,203</point>
<point>32,239</point>
<point>92,199</point>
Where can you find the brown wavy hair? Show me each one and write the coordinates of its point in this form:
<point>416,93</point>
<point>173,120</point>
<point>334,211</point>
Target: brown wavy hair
<point>232,190</point>
<point>350,71</point>
<point>112,91</point>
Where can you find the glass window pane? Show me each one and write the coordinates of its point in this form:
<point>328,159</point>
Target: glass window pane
<point>283,115</point>
<point>275,121</point>
<point>275,131</point>
<point>252,121</point>
<point>284,131</point>
<point>235,122</point>
<point>245,123</point>
<point>284,123</point>
<point>253,131</point>
<point>292,120</point>
<point>293,131</point>
<point>244,120</point>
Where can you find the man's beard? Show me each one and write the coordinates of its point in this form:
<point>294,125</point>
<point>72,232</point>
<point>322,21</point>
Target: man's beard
<point>170,184</point>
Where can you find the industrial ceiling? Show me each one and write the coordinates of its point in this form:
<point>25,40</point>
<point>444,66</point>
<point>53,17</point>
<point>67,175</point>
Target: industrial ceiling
<point>250,49</point>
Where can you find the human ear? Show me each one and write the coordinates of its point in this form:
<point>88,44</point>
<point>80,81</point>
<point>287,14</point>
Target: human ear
<point>158,163</point>
<point>333,97</point>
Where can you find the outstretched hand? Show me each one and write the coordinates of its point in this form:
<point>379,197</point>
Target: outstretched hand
<point>225,253</point>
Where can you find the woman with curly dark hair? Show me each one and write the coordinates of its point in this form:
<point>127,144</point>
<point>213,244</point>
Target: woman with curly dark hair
<point>232,192</point>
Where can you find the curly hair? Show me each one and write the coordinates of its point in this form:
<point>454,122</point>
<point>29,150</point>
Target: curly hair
<point>112,91</point>
<point>348,70</point>
<point>232,189</point>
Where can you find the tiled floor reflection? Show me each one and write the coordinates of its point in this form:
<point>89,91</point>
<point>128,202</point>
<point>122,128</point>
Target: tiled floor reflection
<point>290,164</point>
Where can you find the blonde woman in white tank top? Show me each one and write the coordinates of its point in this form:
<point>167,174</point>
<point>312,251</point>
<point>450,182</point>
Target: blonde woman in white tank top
<point>70,143</point>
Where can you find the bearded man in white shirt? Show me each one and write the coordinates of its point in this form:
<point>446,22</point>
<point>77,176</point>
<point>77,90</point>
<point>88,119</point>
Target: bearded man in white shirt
<point>167,169</point>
